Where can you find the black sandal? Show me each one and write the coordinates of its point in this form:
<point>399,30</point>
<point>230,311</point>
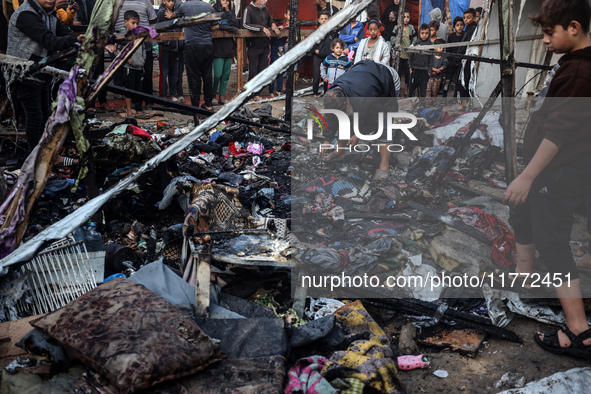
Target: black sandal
<point>551,343</point>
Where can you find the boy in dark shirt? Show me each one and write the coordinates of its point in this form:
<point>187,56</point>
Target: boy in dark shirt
<point>439,64</point>
<point>463,79</point>
<point>321,51</point>
<point>453,63</point>
<point>419,64</point>
<point>557,151</point>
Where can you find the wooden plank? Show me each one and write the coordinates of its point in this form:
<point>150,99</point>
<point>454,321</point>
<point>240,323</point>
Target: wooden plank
<point>10,333</point>
<point>202,290</point>
<point>240,48</point>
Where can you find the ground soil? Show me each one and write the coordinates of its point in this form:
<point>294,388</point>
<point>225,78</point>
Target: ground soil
<point>474,375</point>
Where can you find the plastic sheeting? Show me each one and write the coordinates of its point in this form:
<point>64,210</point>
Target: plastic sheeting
<point>428,5</point>
<point>457,8</point>
<point>491,120</point>
<point>576,380</point>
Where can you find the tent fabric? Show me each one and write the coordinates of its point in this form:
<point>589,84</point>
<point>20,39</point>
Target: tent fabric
<point>428,5</point>
<point>457,8</point>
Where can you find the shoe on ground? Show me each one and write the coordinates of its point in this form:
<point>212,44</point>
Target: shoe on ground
<point>176,100</point>
<point>181,99</point>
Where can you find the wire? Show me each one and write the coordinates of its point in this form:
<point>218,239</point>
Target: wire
<point>528,81</point>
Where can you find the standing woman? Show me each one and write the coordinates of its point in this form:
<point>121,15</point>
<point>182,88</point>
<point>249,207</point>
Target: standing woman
<point>224,49</point>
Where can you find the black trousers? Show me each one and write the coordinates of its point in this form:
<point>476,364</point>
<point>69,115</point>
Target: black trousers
<point>316,75</point>
<point>199,62</point>
<point>147,86</point>
<point>35,100</point>
<point>258,60</point>
<point>419,80</point>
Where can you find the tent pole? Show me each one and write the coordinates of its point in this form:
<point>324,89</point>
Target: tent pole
<point>508,86</point>
<point>292,40</point>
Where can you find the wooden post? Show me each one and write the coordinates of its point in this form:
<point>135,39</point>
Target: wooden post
<point>508,86</point>
<point>292,41</point>
<point>400,24</point>
<point>240,65</point>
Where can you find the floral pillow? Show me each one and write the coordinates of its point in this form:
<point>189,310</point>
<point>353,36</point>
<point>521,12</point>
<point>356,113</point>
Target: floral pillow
<point>131,336</point>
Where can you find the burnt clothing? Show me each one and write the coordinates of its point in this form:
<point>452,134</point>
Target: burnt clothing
<point>546,218</point>
<point>256,19</point>
<point>34,34</point>
<point>564,120</point>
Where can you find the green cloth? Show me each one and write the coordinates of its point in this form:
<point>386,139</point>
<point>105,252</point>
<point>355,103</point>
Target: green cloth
<point>221,74</point>
<point>405,41</point>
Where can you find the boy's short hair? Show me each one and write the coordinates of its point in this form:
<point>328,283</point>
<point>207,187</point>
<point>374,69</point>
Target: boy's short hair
<point>373,11</point>
<point>287,8</point>
<point>434,24</point>
<point>424,26</point>
<point>563,12</point>
<point>323,12</point>
<point>470,11</point>
<point>479,10</point>
<point>406,12</point>
<point>336,41</point>
<point>458,19</point>
<point>131,14</point>
<point>439,41</point>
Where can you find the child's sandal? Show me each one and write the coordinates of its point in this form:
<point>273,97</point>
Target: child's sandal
<point>408,363</point>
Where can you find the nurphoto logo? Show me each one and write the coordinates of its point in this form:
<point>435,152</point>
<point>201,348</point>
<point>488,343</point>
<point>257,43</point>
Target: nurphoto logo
<point>344,129</point>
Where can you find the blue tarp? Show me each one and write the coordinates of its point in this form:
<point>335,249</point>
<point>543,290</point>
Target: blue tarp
<point>457,8</point>
<point>428,5</point>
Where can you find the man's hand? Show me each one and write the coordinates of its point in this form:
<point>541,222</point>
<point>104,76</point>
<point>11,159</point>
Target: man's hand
<point>267,32</point>
<point>74,7</point>
<point>275,29</point>
<point>325,79</point>
<point>61,4</point>
<point>517,191</point>
<point>353,140</point>
<point>317,51</point>
<point>80,38</point>
<point>111,48</point>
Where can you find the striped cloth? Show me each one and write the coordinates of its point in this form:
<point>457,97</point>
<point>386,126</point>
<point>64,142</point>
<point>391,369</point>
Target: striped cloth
<point>305,377</point>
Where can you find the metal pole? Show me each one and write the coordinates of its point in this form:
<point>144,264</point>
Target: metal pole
<point>508,87</point>
<point>292,40</point>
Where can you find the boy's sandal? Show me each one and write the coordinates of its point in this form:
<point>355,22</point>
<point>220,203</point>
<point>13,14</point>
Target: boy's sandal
<point>551,343</point>
<point>206,107</point>
<point>408,363</point>
<point>381,175</point>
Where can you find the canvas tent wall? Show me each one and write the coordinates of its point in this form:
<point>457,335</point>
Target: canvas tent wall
<point>530,50</point>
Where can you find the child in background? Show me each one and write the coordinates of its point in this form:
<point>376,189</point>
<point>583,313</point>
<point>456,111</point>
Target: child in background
<point>321,51</point>
<point>419,65</point>
<point>134,69</point>
<point>453,63</point>
<point>169,55</point>
<point>224,50</point>
<point>335,64</point>
<point>351,35</point>
<point>409,34</point>
<point>465,73</point>
<point>433,30</point>
<point>437,71</point>
<point>278,48</point>
<point>373,48</point>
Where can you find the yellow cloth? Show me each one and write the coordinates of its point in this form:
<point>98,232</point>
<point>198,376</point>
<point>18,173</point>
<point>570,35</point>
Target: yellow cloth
<point>372,358</point>
<point>66,16</point>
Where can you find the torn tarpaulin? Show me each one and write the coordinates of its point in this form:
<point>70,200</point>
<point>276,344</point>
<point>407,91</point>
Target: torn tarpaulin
<point>12,211</point>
